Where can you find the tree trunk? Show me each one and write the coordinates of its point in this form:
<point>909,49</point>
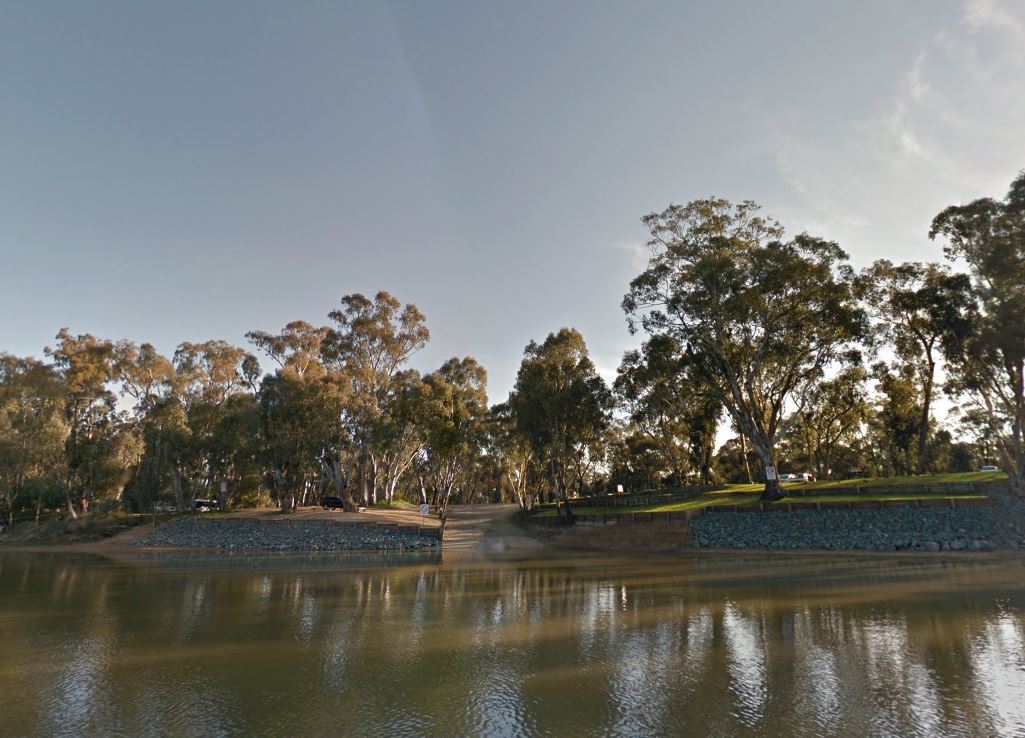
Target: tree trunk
<point>340,484</point>
<point>179,496</point>
<point>743,454</point>
<point>373,481</point>
<point>773,491</point>
<point>923,423</point>
<point>68,503</point>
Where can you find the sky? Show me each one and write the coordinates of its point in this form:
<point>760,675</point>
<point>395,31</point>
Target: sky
<point>181,171</point>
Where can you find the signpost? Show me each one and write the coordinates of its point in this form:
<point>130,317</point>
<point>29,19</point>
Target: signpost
<point>770,473</point>
<point>424,509</point>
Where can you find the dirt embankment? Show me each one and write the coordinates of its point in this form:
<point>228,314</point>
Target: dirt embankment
<point>90,533</point>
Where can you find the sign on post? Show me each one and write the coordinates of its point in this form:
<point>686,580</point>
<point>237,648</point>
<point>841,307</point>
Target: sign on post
<point>424,509</point>
<point>770,473</point>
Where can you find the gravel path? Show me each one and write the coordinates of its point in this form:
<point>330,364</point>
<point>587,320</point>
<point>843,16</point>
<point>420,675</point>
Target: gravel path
<point>311,535</point>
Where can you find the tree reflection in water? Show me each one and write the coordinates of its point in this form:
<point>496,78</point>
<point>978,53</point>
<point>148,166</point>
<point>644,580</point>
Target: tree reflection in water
<point>562,645</point>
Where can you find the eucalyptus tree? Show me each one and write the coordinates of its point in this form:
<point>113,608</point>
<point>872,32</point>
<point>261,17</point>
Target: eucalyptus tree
<point>562,406</point>
<point>369,342</point>
<point>455,409</point>
<point>833,418</point>
<point>896,418</point>
<point>918,308</point>
<point>211,380</point>
<point>149,379</point>
<point>513,453</point>
<point>85,366</point>
<point>653,387</point>
<point>302,406</point>
<point>761,317</point>
<point>988,364</point>
<point>33,429</point>
<point>399,433</point>
<point>668,403</point>
<point>300,434</point>
<point>297,348</point>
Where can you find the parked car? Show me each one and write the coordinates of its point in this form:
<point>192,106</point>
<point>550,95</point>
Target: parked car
<point>332,502</point>
<point>988,467</point>
<point>205,505</point>
<point>802,477</point>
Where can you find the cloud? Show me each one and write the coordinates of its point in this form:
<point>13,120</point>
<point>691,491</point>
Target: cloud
<point>991,14</point>
<point>639,253</point>
<point>947,129</point>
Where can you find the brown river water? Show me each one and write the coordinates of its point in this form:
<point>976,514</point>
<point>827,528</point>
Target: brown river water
<point>556,645</point>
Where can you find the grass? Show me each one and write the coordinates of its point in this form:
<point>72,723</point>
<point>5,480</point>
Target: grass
<point>953,478</point>
<point>748,494</point>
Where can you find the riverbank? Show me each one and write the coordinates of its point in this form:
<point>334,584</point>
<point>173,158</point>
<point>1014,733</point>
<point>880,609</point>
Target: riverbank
<point>240,534</point>
<point>998,526</point>
<point>118,535</point>
<point>471,529</point>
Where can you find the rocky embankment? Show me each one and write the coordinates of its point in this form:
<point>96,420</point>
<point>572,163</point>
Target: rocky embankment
<point>307,535</point>
<point>1001,525</point>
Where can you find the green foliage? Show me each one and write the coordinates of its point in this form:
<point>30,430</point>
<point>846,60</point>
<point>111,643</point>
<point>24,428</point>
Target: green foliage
<point>919,308</point>
<point>671,410</point>
<point>561,407</point>
<point>760,317</point>
<point>987,363</point>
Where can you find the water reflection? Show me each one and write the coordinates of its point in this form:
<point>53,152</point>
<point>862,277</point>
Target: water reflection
<point>561,646</point>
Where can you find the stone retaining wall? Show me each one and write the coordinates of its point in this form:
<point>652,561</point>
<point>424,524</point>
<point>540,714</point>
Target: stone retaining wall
<point>925,524</point>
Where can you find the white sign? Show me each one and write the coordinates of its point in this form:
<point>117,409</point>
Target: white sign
<point>770,473</point>
<point>424,509</point>
<point>619,488</point>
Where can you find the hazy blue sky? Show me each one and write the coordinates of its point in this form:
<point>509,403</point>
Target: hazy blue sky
<point>190,170</point>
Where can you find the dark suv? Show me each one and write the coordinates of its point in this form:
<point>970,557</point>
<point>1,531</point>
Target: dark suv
<point>335,502</point>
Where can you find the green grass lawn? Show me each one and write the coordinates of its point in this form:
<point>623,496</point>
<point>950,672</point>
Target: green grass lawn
<point>954,478</point>
<point>748,494</point>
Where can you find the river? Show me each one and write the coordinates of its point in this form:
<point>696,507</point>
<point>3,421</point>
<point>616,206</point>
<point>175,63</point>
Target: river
<point>553,645</point>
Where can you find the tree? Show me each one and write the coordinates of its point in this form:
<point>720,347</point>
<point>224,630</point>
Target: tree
<point>897,416</point>
<point>562,406</point>
<point>918,308</point>
<point>297,348</point>
<point>988,363</point>
<point>760,317</point>
<point>33,430</point>
<point>150,379</point>
<point>668,404</point>
<point>209,378</point>
<point>84,364</point>
<point>515,457</point>
<point>832,417</point>
<point>302,407</point>
<point>301,434</point>
<point>369,344</point>
<point>455,412</point>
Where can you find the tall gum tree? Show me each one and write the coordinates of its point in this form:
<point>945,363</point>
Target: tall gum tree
<point>670,407</point>
<point>988,364</point>
<point>301,409</point>
<point>761,317</point>
<point>917,308</point>
<point>455,409</point>
<point>369,342</point>
<point>85,366</point>
<point>562,405</point>
<point>33,429</point>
